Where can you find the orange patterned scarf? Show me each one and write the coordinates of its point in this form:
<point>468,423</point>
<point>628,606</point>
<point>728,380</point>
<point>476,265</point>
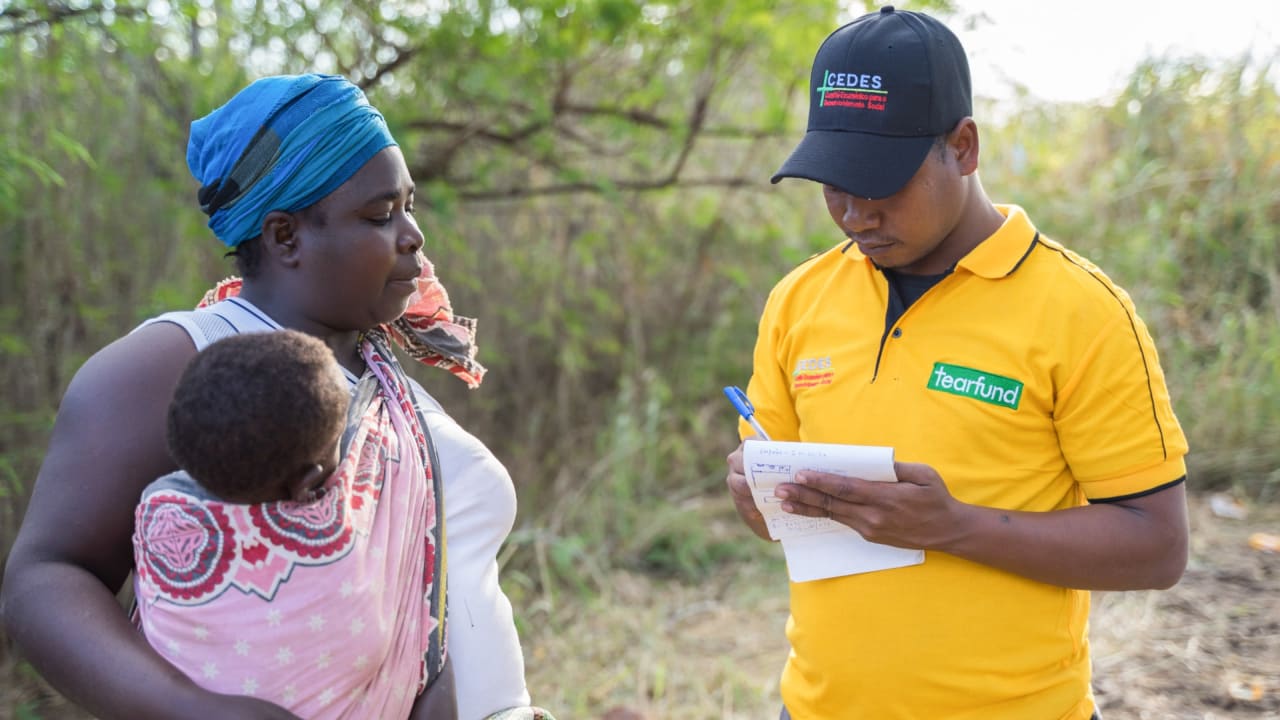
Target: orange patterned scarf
<point>428,330</point>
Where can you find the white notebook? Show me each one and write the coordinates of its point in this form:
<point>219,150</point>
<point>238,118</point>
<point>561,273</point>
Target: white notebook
<point>818,548</point>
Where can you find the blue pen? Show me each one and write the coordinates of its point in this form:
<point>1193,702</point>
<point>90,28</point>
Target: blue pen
<point>745,409</point>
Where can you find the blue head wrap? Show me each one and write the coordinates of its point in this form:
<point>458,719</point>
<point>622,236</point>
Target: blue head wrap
<point>282,143</point>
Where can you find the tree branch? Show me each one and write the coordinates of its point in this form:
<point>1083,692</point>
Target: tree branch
<point>635,115</point>
<point>403,55</point>
<point>475,130</point>
<point>518,193</point>
<point>563,111</point>
<point>24,20</point>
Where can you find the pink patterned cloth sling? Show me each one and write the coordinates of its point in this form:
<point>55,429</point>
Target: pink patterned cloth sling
<point>332,608</point>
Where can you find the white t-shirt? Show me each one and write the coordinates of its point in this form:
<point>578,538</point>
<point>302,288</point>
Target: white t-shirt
<point>480,510</point>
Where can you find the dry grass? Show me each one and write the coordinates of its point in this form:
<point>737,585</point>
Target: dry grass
<point>655,650</point>
<point>666,650</point>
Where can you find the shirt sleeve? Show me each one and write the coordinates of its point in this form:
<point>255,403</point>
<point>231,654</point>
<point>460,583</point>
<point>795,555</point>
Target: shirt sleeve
<point>768,390</point>
<point>1114,417</point>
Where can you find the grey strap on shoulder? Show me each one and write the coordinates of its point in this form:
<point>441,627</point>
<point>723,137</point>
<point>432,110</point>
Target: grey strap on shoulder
<point>214,326</point>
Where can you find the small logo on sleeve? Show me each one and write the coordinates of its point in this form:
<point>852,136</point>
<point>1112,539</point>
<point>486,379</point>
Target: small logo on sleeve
<point>976,384</point>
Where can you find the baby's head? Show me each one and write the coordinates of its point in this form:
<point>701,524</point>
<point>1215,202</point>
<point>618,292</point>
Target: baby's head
<point>258,417</point>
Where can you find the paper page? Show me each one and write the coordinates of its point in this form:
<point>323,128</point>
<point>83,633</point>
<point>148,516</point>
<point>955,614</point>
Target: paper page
<point>770,463</point>
<point>818,548</point>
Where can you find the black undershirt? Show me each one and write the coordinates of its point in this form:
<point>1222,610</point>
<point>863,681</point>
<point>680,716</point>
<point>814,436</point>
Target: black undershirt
<point>904,289</point>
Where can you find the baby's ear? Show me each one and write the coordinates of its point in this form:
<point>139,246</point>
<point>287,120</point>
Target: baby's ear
<point>304,487</point>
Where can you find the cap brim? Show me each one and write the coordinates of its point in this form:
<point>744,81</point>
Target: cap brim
<point>861,164</point>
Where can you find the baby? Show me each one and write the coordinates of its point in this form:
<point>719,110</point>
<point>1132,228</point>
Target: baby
<point>257,418</point>
<point>256,424</point>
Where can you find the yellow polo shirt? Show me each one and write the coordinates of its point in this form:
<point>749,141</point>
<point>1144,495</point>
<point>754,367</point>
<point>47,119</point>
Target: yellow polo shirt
<point>1027,380</point>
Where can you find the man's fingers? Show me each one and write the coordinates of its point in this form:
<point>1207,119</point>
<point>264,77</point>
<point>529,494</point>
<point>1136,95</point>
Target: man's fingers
<point>837,486</point>
<point>817,494</point>
<point>734,459</point>
<point>915,473</point>
<point>801,500</point>
<point>738,486</point>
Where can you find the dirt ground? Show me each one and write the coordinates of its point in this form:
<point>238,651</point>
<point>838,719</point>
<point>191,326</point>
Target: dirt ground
<point>648,649</point>
<point>714,650</point>
<point>1209,646</point>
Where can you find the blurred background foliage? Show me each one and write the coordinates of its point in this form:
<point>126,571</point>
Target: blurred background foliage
<point>595,183</point>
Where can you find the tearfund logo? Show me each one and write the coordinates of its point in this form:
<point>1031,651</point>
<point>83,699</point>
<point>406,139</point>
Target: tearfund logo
<point>976,384</point>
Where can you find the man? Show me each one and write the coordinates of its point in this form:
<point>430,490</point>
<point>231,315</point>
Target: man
<point>1044,458</point>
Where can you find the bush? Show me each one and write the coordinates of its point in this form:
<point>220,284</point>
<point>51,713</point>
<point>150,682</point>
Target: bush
<point>1174,189</point>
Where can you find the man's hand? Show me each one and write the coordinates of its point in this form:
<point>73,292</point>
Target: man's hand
<point>742,500</point>
<point>1132,544</point>
<point>916,512</point>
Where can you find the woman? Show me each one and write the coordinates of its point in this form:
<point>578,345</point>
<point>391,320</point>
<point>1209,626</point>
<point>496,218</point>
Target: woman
<point>303,181</point>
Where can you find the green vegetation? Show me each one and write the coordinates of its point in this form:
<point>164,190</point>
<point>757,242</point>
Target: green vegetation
<point>1174,189</point>
<point>596,182</point>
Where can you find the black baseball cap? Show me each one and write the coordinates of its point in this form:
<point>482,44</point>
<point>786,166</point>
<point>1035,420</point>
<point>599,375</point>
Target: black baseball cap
<point>882,88</point>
